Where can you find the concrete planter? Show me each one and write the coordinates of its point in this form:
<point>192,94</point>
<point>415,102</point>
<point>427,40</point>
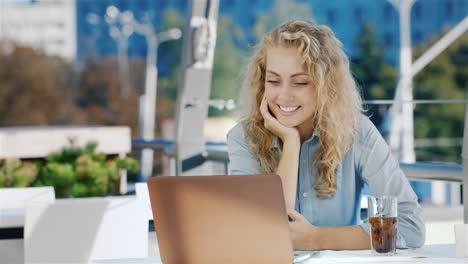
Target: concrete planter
<point>38,142</point>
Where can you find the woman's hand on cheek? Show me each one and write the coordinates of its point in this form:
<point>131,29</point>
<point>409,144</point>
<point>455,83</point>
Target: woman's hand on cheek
<point>272,124</point>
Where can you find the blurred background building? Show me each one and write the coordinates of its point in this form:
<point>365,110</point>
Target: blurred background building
<point>48,25</point>
<point>66,27</point>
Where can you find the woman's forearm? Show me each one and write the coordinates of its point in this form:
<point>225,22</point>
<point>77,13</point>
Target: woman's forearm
<point>343,238</point>
<point>288,168</point>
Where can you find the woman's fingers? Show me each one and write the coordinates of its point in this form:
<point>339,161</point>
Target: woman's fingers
<point>270,122</point>
<point>294,215</point>
<point>268,118</point>
<point>264,108</point>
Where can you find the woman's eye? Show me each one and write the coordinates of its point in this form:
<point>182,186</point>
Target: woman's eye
<point>274,82</point>
<point>302,83</point>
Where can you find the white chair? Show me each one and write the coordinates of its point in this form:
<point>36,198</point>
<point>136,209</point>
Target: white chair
<point>85,229</point>
<point>142,194</point>
<point>13,203</point>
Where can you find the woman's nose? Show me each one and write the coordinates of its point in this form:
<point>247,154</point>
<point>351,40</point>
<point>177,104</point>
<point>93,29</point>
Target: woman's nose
<point>285,92</point>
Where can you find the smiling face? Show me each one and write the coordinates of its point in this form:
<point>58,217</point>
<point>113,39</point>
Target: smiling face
<point>289,89</point>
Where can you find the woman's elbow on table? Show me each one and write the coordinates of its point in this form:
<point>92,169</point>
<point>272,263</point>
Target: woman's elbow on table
<point>420,238</point>
<point>415,236</point>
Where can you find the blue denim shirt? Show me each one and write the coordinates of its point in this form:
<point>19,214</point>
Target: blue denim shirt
<point>369,161</point>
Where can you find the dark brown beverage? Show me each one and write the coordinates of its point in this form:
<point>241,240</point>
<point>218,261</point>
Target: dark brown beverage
<point>383,234</point>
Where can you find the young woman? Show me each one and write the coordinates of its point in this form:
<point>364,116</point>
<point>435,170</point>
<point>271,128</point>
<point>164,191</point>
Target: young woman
<point>305,124</point>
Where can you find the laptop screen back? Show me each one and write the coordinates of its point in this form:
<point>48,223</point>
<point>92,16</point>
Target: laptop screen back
<point>221,219</point>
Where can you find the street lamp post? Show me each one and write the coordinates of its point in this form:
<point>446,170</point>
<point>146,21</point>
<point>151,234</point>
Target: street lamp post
<point>147,101</point>
<point>121,35</point>
<point>402,135</point>
<point>147,110</point>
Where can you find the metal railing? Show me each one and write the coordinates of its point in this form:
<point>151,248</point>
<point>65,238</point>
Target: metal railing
<point>414,171</point>
<point>215,151</point>
<point>427,171</point>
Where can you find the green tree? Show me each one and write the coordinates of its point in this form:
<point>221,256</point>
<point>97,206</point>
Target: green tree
<point>228,64</point>
<point>169,56</point>
<point>170,53</point>
<point>375,77</point>
<point>446,77</point>
<point>33,87</point>
<point>280,12</point>
<point>98,97</point>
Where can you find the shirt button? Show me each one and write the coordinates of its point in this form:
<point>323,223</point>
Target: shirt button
<point>305,194</point>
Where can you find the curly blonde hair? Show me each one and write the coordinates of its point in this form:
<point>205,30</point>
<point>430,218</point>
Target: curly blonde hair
<point>338,101</point>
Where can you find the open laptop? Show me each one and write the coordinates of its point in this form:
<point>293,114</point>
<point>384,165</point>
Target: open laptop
<point>221,219</point>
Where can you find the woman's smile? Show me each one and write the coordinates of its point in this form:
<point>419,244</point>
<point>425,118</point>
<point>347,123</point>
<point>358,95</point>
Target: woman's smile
<point>288,110</point>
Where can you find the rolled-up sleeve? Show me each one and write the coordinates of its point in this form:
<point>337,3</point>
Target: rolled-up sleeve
<point>241,159</point>
<point>381,171</point>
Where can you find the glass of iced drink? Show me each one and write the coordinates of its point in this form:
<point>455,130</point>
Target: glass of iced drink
<point>382,216</point>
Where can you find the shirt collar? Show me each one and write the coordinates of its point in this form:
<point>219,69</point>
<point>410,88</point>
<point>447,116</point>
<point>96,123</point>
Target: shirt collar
<point>276,139</point>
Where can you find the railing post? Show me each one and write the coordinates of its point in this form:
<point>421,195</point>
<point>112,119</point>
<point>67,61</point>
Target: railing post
<point>195,82</point>
<point>465,167</point>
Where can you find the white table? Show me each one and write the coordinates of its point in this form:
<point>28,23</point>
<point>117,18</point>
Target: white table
<point>444,253</point>
<point>11,251</point>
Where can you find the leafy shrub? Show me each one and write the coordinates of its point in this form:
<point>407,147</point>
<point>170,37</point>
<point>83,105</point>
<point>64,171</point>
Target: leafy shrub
<point>17,173</point>
<point>78,172</point>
